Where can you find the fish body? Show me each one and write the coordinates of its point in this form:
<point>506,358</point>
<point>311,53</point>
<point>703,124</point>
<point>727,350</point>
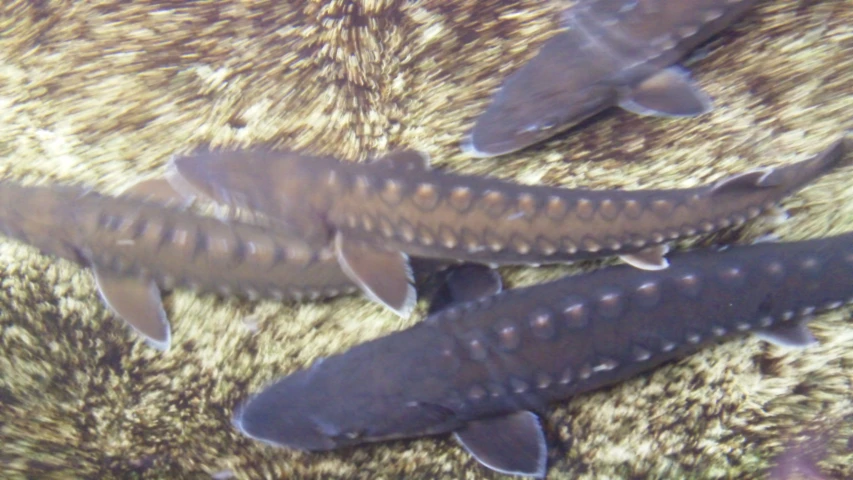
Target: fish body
<point>137,246</point>
<point>379,213</point>
<point>613,52</point>
<point>485,368</point>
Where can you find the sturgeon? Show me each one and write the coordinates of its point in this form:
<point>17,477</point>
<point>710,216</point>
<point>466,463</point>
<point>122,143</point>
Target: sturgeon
<point>487,366</point>
<point>377,214</point>
<point>146,240</point>
<point>613,52</point>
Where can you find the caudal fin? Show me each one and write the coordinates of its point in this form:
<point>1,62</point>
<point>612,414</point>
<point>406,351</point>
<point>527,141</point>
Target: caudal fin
<point>798,174</point>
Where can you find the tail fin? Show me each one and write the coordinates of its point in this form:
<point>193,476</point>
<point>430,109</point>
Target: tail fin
<point>798,174</point>
<point>774,183</point>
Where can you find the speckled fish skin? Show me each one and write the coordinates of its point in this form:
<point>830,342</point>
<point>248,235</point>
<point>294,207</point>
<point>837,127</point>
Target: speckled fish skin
<point>177,247</point>
<point>610,48</point>
<point>408,207</point>
<point>524,348</point>
<point>125,237</point>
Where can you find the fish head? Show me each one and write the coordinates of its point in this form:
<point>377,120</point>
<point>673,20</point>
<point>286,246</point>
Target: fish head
<point>342,401</point>
<point>244,178</point>
<point>514,121</point>
<point>283,415</point>
<point>557,89</point>
<point>280,185</point>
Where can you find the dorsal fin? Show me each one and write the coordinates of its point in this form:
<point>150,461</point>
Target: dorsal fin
<point>407,160</point>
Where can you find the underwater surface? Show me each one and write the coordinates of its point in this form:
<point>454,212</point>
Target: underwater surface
<point>100,96</point>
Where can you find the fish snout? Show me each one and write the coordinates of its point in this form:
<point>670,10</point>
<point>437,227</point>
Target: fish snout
<point>289,428</point>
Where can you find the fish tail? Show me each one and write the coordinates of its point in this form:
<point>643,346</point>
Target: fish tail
<point>796,175</point>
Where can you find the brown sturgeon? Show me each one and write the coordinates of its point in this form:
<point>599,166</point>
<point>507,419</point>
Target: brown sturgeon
<point>377,214</point>
<point>146,240</point>
<point>613,52</point>
<point>486,369</point>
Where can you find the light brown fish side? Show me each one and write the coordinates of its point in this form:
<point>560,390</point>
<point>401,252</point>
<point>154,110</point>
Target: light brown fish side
<point>613,52</point>
<point>138,246</point>
<point>396,205</point>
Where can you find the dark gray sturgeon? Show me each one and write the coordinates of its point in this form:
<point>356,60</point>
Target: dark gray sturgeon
<point>613,52</point>
<point>481,368</point>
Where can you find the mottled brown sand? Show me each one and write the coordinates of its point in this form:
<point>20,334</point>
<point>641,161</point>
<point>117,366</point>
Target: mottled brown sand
<point>102,93</point>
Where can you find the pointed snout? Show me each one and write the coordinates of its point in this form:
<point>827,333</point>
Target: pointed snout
<point>278,420</point>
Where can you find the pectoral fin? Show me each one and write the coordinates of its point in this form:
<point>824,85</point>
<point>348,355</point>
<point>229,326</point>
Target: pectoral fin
<point>406,160</point>
<point>465,283</point>
<point>513,444</point>
<point>138,302</point>
<point>383,275</point>
<point>652,258</point>
<point>158,190</point>
<point>766,238</point>
<point>668,93</point>
<point>792,334</point>
<point>745,181</point>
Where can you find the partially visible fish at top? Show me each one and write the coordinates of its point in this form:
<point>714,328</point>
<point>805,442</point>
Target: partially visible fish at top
<point>146,240</point>
<point>378,214</point>
<point>613,52</point>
